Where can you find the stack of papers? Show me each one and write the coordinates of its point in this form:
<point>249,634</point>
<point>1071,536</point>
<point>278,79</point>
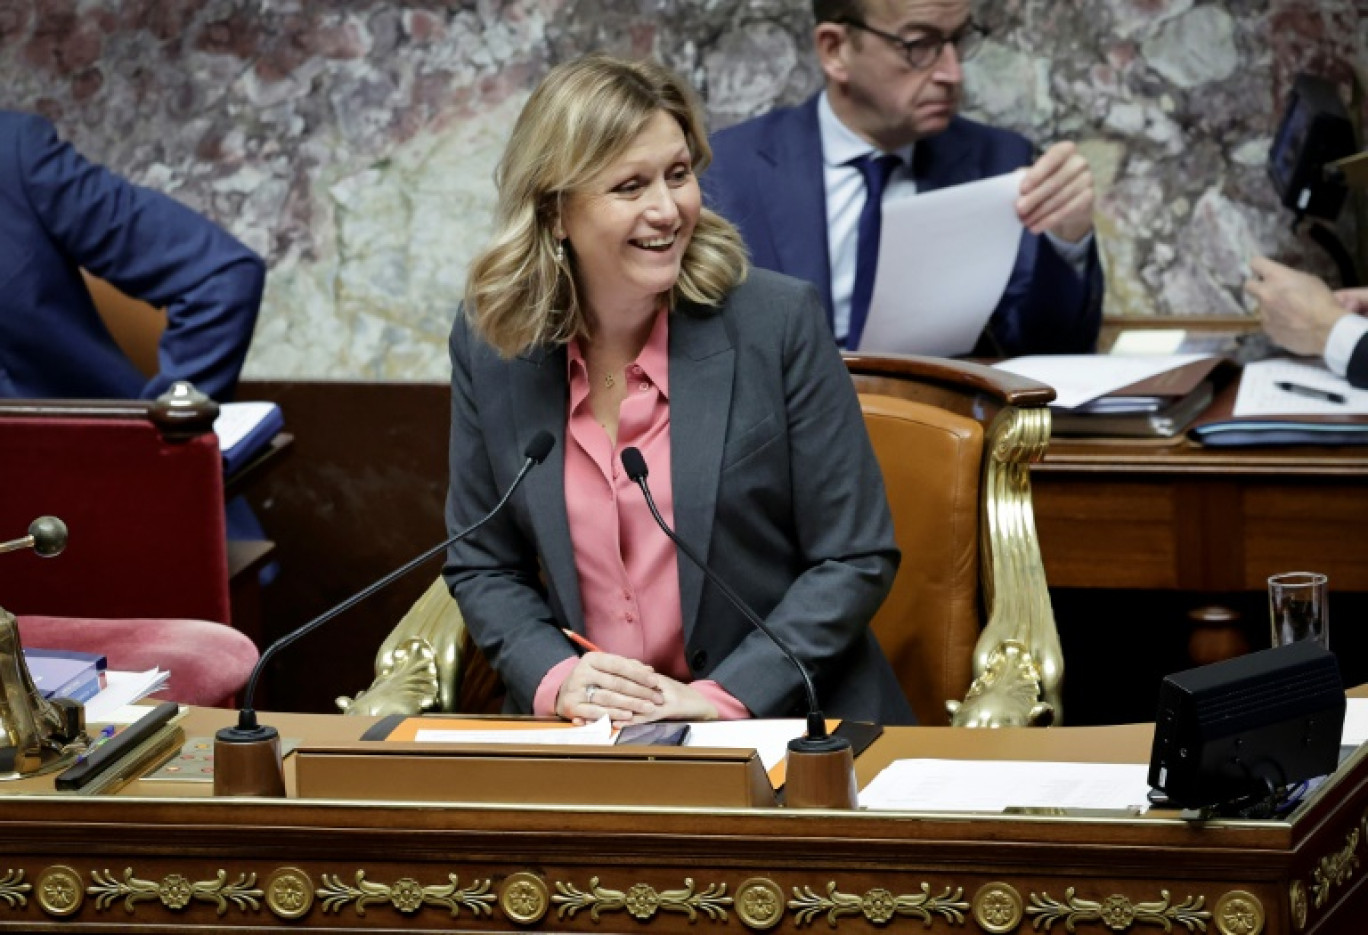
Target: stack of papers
<point>1289,402</point>
<point>1079,379</point>
<point>123,688</point>
<point>996,785</point>
<point>1143,396</point>
<point>244,429</point>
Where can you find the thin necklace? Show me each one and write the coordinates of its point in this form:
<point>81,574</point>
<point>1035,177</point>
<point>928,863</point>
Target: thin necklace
<point>608,380</point>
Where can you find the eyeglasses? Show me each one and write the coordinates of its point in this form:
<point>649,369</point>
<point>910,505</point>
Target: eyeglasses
<point>924,51</point>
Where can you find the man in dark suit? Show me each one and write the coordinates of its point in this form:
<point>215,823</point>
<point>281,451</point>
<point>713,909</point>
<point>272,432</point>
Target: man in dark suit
<point>1303,315</point>
<point>60,213</point>
<point>792,181</point>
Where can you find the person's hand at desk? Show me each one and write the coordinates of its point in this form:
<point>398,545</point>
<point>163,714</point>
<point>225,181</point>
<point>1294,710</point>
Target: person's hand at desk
<point>1299,310</point>
<point>683,703</point>
<point>625,690</point>
<point>1057,194</point>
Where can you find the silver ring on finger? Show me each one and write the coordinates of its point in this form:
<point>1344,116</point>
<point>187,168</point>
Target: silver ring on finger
<point>589,693</point>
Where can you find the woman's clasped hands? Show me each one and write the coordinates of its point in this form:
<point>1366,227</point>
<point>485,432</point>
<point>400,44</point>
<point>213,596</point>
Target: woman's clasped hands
<point>627,692</point>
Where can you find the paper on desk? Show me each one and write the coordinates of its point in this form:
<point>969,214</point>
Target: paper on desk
<point>769,738</point>
<point>1355,722</point>
<point>123,688</point>
<point>944,259</point>
<point>1149,341</point>
<point>1259,396</point>
<point>595,733</point>
<point>1080,378</point>
<point>993,785</point>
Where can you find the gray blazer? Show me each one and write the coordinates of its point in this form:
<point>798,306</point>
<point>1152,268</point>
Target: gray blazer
<point>775,484</point>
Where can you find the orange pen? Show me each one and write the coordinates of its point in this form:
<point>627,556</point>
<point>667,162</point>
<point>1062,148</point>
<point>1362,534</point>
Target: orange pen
<point>580,641</point>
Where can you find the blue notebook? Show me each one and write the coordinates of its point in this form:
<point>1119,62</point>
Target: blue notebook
<point>66,673</point>
<point>245,430</point>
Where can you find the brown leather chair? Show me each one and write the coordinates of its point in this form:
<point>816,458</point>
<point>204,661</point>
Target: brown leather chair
<point>955,440</point>
<point>135,325</point>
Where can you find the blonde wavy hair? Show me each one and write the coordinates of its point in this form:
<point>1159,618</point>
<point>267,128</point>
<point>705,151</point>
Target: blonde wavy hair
<point>582,116</point>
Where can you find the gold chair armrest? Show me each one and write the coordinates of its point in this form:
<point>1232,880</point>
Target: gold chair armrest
<point>419,665</point>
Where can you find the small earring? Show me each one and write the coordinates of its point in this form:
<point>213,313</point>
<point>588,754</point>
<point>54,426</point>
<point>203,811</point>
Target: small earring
<point>560,251</point>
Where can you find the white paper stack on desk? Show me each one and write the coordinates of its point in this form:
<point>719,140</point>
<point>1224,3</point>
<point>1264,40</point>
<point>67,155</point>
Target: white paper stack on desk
<point>1149,396</point>
<point>1286,402</point>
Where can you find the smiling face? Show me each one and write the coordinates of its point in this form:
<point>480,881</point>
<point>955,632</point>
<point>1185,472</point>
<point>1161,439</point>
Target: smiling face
<point>871,86</point>
<point>629,225</point>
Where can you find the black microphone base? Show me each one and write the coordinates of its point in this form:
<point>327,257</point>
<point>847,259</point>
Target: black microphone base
<point>247,761</point>
<point>820,773</point>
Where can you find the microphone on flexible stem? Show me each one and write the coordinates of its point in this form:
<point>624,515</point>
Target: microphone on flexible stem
<point>247,757</point>
<point>821,767</point>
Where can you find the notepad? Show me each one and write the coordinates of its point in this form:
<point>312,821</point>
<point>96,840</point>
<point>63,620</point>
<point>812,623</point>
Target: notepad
<point>244,430</point>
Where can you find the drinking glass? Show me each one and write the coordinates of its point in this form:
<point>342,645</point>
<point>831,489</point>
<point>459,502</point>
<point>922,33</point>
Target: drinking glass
<point>1298,607</point>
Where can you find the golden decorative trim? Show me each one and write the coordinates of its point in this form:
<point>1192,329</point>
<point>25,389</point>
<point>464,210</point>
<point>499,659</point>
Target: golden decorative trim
<point>1296,899</point>
<point>405,682</point>
<point>1239,913</point>
<point>1116,912</point>
<point>1018,659</point>
<point>13,890</point>
<point>289,893</point>
<point>760,903</point>
<point>59,890</point>
<point>175,891</point>
<point>1335,869</point>
<point>525,898</point>
<point>998,908</point>
<point>878,905</point>
<point>642,901</point>
<point>407,895</point>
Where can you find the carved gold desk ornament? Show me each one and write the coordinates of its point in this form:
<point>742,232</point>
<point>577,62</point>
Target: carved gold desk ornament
<point>40,736</point>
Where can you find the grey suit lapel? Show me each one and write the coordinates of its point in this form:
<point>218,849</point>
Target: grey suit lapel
<point>540,397</point>
<point>702,365</point>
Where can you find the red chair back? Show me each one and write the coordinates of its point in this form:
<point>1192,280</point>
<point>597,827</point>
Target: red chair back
<point>144,510</point>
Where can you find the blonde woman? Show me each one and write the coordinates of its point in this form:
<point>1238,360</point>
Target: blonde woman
<point>613,310</point>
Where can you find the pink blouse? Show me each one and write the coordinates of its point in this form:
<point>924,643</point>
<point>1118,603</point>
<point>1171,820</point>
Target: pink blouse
<point>628,576</point>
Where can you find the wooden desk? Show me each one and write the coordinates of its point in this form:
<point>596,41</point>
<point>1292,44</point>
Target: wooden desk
<point>1188,518</point>
<point>163,856</point>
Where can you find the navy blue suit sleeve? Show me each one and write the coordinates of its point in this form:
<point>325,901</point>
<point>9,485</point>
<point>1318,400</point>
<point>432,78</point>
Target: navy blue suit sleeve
<point>154,248</point>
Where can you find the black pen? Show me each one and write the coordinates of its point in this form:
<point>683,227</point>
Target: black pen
<point>1310,392</point>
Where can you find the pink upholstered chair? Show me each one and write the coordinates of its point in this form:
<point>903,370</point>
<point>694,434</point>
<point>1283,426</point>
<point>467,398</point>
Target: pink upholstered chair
<point>209,662</point>
<point>144,577</point>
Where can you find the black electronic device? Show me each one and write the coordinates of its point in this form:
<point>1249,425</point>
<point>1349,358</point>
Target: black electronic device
<point>1315,131</point>
<point>655,734</point>
<point>1246,728</point>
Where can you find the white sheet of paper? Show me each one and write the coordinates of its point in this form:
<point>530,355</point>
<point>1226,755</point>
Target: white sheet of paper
<point>769,738</point>
<point>123,688</point>
<point>944,259</point>
<point>1260,396</point>
<point>1080,378</point>
<point>235,420</point>
<point>1355,722</point>
<point>1149,341</point>
<point>993,785</point>
<point>596,733</point>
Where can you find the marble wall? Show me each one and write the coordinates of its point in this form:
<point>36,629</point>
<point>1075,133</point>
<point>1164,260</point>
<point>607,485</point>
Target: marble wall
<point>352,142</point>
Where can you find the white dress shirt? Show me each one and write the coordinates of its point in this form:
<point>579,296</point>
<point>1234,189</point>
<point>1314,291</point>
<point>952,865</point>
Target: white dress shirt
<point>1344,337</point>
